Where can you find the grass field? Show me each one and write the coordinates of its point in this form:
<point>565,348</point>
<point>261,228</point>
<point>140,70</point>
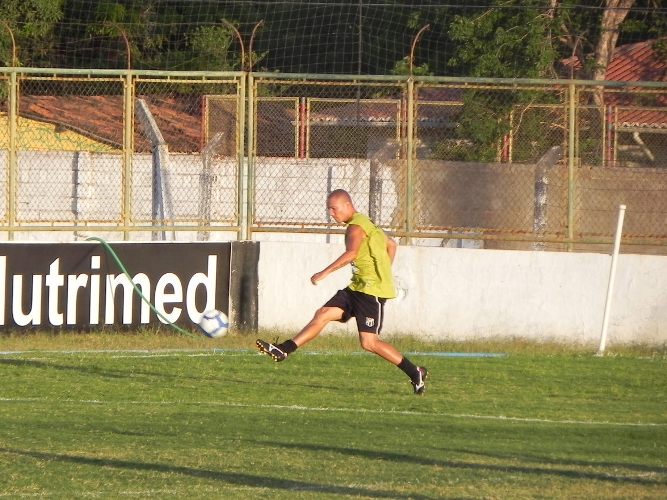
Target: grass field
<point>159,416</point>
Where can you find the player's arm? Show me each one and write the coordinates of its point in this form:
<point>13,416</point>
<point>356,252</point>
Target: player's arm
<point>354,235</point>
<point>392,246</point>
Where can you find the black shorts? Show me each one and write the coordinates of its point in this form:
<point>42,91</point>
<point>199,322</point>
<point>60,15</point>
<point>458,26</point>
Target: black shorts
<point>367,309</point>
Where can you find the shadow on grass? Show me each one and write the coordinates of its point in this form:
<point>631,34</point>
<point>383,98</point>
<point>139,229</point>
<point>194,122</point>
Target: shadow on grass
<point>558,461</point>
<point>98,371</point>
<point>459,464</point>
<point>234,478</point>
<point>86,370</point>
<point>110,373</point>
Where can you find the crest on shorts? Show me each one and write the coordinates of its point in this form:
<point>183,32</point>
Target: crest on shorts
<point>370,321</point>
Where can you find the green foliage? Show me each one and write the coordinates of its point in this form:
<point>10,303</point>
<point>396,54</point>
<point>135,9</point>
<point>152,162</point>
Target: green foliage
<point>483,122</point>
<point>31,18</point>
<point>660,49</point>
<point>645,21</point>
<point>499,38</point>
<point>499,42</point>
<point>212,45</point>
<point>31,22</point>
<point>535,129</point>
<point>402,67</point>
<point>504,42</point>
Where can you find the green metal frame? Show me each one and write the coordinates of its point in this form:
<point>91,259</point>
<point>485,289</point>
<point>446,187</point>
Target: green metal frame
<point>246,141</point>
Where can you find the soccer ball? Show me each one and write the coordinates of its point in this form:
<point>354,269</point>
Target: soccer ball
<point>214,323</point>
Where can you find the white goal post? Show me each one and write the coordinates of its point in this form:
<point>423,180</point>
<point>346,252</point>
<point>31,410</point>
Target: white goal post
<point>612,277</point>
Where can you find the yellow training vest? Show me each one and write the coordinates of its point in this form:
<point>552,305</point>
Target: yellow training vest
<point>371,270</point>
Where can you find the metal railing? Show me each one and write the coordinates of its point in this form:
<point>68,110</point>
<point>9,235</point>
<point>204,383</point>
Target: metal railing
<point>535,164</point>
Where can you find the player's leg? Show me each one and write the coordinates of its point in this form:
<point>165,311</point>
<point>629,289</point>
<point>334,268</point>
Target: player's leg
<point>333,310</point>
<point>371,342</point>
<point>322,317</point>
<point>369,312</point>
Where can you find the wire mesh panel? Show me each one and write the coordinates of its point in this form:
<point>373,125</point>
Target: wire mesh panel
<point>277,124</point>
<point>622,145</point>
<point>489,160</point>
<point>352,128</point>
<point>622,127</point>
<point>185,162</point>
<point>509,164</point>
<point>592,141</point>
<point>490,201</point>
<point>535,130</point>
<point>70,141</point>
<point>600,191</point>
<point>637,136</point>
<point>316,137</point>
<point>636,122</point>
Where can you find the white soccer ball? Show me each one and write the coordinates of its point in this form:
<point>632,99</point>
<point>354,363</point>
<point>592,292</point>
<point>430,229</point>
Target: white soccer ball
<point>214,323</point>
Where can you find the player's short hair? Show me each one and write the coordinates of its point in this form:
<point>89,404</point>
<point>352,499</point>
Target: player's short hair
<point>340,193</point>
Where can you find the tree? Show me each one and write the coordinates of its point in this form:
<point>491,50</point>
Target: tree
<point>505,41</point>
<point>512,39</point>
<point>614,13</point>
<point>30,23</point>
<point>175,35</point>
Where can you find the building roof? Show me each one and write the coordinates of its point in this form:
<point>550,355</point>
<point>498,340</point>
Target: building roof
<point>437,106</point>
<point>100,117</point>
<point>179,117</point>
<point>634,62</point>
<point>637,62</point>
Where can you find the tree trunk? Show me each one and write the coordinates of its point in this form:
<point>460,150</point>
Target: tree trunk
<point>614,14</point>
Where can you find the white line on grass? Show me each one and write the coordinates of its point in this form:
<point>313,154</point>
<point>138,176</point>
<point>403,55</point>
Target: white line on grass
<point>231,404</point>
<point>216,351</point>
<point>154,352</point>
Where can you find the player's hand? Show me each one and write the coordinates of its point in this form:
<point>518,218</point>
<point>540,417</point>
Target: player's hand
<point>316,277</point>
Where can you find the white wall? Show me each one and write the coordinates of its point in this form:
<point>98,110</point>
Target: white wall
<point>463,294</point>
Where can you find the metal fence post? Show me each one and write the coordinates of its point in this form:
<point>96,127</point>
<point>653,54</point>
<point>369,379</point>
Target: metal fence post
<point>12,167</point>
<point>247,156</point>
<point>571,160</point>
<point>241,136</point>
<point>409,174</point>
<point>128,149</point>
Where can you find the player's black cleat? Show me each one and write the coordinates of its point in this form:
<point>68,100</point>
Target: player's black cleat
<point>419,383</point>
<point>271,350</point>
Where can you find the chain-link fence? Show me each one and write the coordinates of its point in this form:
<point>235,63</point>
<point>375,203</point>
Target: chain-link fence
<point>435,161</point>
<point>469,163</point>
<point>139,156</point>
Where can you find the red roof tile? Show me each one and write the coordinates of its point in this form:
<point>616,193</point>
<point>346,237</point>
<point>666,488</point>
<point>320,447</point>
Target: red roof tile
<point>634,62</point>
<point>180,117</point>
<point>101,118</point>
<point>637,62</point>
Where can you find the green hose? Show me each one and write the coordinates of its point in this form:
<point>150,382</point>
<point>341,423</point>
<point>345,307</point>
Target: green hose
<point>115,257</point>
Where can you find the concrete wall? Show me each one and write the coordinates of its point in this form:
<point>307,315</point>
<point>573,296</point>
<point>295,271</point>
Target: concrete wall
<point>465,294</point>
<point>83,188</point>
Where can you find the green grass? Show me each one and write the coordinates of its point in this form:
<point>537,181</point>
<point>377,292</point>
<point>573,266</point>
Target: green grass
<point>213,419</point>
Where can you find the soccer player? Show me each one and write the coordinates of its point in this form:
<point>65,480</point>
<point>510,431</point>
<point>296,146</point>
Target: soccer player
<point>371,254</point>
